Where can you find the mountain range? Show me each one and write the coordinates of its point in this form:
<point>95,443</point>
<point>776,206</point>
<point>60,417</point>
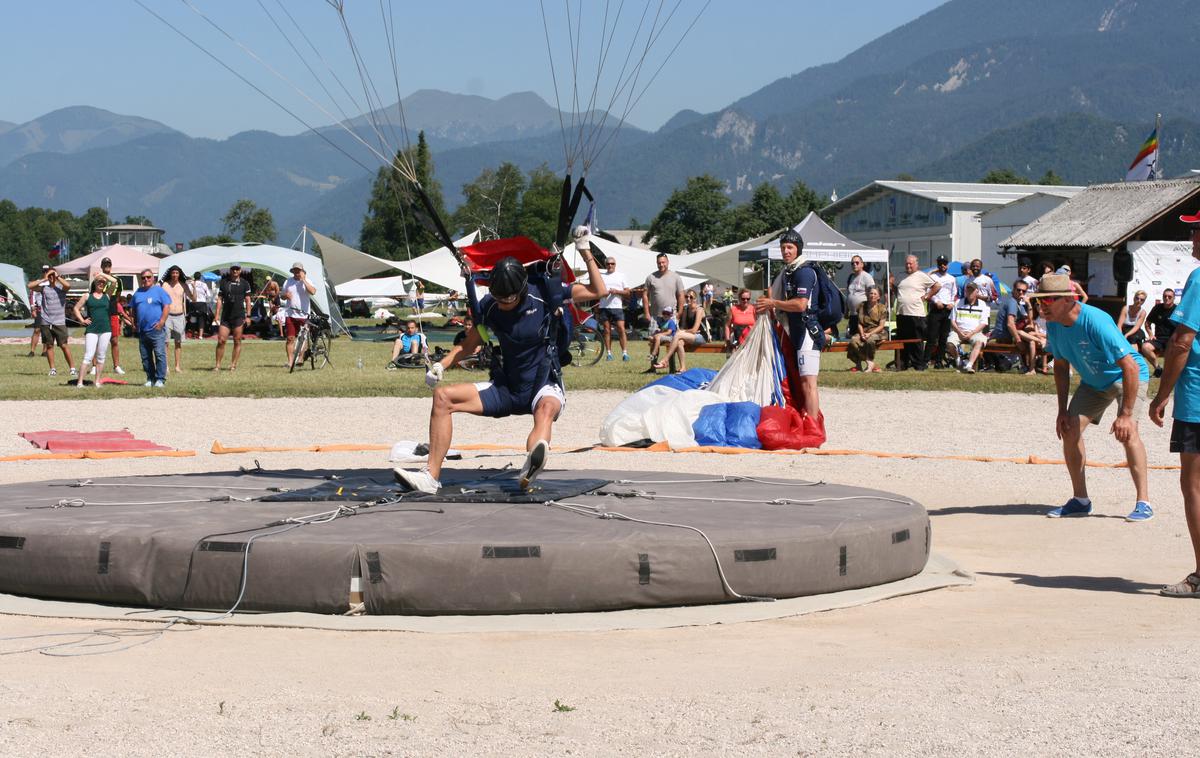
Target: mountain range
<point>1070,86</point>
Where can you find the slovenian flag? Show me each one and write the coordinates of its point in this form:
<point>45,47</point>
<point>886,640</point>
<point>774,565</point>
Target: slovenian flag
<point>1145,165</point>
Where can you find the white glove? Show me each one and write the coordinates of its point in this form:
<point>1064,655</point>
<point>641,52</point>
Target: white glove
<point>583,240</point>
<point>434,375</point>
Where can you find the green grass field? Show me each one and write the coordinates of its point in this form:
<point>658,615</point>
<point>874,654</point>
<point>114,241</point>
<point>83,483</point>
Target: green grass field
<point>261,373</point>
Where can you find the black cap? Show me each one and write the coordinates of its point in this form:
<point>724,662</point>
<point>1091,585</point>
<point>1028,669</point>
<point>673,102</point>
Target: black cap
<point>942,259</point>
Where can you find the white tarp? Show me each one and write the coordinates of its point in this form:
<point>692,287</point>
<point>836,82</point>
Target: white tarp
<point>635,263</point>
<point>823,243</point>
<point>1157,265</point>
<point>344,264</point>
<point>13,277</point>
<point>392,286</point>
<point>723,264</point>
<point>439,267</point>
<point>259,258</point>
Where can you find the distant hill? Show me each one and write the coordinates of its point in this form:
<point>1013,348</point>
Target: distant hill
<point>72,130</point>
<point>5,126</point>
<point>1068,85</point>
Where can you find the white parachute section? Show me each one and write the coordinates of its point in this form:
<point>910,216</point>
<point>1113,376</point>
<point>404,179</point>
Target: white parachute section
<point>700,407</point>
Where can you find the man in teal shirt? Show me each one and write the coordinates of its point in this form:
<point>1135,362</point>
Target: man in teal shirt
<point>1181,372</point>
<point>1086,338</point>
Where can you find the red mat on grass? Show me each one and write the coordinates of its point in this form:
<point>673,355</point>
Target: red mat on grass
<point>59,441</point>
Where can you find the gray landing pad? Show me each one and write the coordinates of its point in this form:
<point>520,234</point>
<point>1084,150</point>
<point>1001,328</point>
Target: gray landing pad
<point>481,546</point>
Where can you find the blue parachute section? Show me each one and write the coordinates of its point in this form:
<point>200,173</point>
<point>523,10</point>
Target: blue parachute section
<point>692,379</point>
<point>728,425</point>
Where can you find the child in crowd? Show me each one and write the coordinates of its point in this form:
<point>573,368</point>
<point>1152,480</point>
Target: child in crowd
<point>667,326</point>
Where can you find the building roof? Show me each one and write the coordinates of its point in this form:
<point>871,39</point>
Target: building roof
<point>948,192</point>
<point>129,228</point>
<point>1104,215</point>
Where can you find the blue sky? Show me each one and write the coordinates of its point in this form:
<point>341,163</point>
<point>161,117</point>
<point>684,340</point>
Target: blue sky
<point>113,54</point>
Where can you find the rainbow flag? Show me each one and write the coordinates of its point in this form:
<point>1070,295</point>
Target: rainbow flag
<point>1145,165</point>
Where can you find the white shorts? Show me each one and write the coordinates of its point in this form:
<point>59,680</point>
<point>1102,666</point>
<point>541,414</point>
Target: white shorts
<point>979,338</point>
<point>808,360</point>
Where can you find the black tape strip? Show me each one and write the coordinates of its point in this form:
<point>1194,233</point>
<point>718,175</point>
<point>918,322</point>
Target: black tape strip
<point>758,554</point>
<point>11,543</point>
<point>526,551</point>
<point>374,568</point>
<point>223,547</point>
<point>901,536</point>
<point>842,561</point>
<point>102,563</point>
<point>643,568</point>
<point>928,538</point>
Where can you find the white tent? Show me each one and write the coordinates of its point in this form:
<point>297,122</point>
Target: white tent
<point>439,267</point>
<point>252,255</point>
<point>13,277</point>
<point>723,264</point>
<point>635,263</point>
<point>392,286</point>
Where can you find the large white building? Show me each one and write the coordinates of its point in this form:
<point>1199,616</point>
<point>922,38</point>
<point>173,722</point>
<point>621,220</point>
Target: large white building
<point>928,219</point>
<point>998,224</point>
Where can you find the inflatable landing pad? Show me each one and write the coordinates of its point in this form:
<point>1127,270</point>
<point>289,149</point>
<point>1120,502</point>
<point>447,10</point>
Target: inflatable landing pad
<point>316,541</point>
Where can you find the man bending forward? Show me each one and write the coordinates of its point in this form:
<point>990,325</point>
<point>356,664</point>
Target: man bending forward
<point>528,381</point>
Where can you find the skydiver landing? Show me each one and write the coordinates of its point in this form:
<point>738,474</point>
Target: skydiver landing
<point>522,315</point>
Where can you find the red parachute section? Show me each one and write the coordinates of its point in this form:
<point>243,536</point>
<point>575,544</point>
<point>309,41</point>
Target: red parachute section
<point>483,256</point>
<point>790,427</point>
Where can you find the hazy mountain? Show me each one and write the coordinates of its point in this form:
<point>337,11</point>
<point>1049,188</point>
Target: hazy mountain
<point>72,130</point>
<point>1068,85</point>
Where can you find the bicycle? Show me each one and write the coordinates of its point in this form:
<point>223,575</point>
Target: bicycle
<point>587,340</point>
<point>312,343</point>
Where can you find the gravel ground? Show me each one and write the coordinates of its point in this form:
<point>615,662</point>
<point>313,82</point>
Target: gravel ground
<point>1061,647</point>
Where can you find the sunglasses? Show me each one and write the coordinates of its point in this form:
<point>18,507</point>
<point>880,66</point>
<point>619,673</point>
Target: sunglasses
<point>1020,292</point>
<point>146,277</point>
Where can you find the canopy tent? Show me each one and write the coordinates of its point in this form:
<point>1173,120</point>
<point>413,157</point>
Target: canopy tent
<point>125,260</point>
<point>13,277</point>
<point>272,258</point>
<point>391,286</point>
<point>635,263</point>
<point>439,267</point>
<point>723,264</point>
<point>345,264</point>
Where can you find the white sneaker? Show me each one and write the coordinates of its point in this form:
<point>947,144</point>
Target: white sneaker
<point>535,464</point>
<point>53,372</point>
<point>74,371</point>
<point>159,383</point>
<point>148,384</point>
<point>120,371</point>
<point>417,481</point>
<point>93,371</point>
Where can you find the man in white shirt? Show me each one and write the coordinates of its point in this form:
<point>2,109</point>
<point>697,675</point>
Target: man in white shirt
<point>1025,272</point>
<point>913,295</point>
<point>937,323</point>
<point>987,287</point>
<point>969,325</point>
<point>611,310</point>
<point>297,300</point>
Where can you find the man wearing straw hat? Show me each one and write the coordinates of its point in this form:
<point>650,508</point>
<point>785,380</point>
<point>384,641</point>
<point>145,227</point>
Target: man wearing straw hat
<point>1085,338</point>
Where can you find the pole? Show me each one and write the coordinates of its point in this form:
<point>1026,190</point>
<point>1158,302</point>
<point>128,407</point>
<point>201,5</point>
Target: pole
<point>1158,172</point>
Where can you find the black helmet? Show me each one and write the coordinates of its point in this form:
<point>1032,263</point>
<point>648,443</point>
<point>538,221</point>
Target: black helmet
<point>508,278</point>
<point>792,236</point>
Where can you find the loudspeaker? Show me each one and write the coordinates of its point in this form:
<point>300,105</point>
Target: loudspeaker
<point>1122,266</point>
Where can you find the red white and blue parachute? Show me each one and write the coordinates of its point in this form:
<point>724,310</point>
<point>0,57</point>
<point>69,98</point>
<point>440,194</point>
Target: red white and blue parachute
<point>752,402</point>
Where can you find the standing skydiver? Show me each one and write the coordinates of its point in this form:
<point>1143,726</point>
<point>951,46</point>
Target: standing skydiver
<point>524,317</point>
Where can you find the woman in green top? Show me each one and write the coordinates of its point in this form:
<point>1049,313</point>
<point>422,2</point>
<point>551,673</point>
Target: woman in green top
<point>95,313</point>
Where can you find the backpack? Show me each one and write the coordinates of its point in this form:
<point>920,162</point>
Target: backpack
<point>830,304</point>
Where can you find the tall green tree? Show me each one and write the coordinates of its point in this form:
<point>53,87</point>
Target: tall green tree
<point>766,211</point>
<point>391,229</point>
<point>139,220</point>
<point>249,222</point>
<point>538,217</point>
<point>800,201</point>
<point>492,202</point>
<point>1051,178</point>
<point>693,218</point>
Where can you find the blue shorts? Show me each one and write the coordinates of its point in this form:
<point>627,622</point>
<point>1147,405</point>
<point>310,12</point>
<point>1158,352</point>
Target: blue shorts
<point>499,401</point>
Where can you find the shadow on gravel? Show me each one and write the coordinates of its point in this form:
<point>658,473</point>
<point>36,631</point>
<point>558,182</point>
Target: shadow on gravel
<point>1011,509</point>
<point>1090,583</point>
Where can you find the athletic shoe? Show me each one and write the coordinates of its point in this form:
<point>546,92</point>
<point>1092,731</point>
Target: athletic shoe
<point>391,366</point>
<point>625,357</point>
<point>1141,512</point>
<point>1157,371</point>
<point>120,370</point>
<point>148,384</point>
<point>535,464</point>
<point>160,383</point>
<point>74,371</point>
<point>608,356</point>
<point>30,354</point>
<point>93,371</point>
<point>1072,508</point>
<point>417,481</point>
<point>53,372</point>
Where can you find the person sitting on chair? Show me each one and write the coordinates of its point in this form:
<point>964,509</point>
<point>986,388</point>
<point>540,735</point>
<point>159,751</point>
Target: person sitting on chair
<point>411,342</point>
<point>692,334</point>
<point>524,317</point>
<point>740,321</point>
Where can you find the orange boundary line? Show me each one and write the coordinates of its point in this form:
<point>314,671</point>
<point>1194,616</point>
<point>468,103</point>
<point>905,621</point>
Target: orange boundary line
<point>100,455</point>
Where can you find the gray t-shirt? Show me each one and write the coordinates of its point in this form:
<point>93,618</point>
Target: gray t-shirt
<point>54,305</point>
<point>856,290</point>
<point>663,291</point>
